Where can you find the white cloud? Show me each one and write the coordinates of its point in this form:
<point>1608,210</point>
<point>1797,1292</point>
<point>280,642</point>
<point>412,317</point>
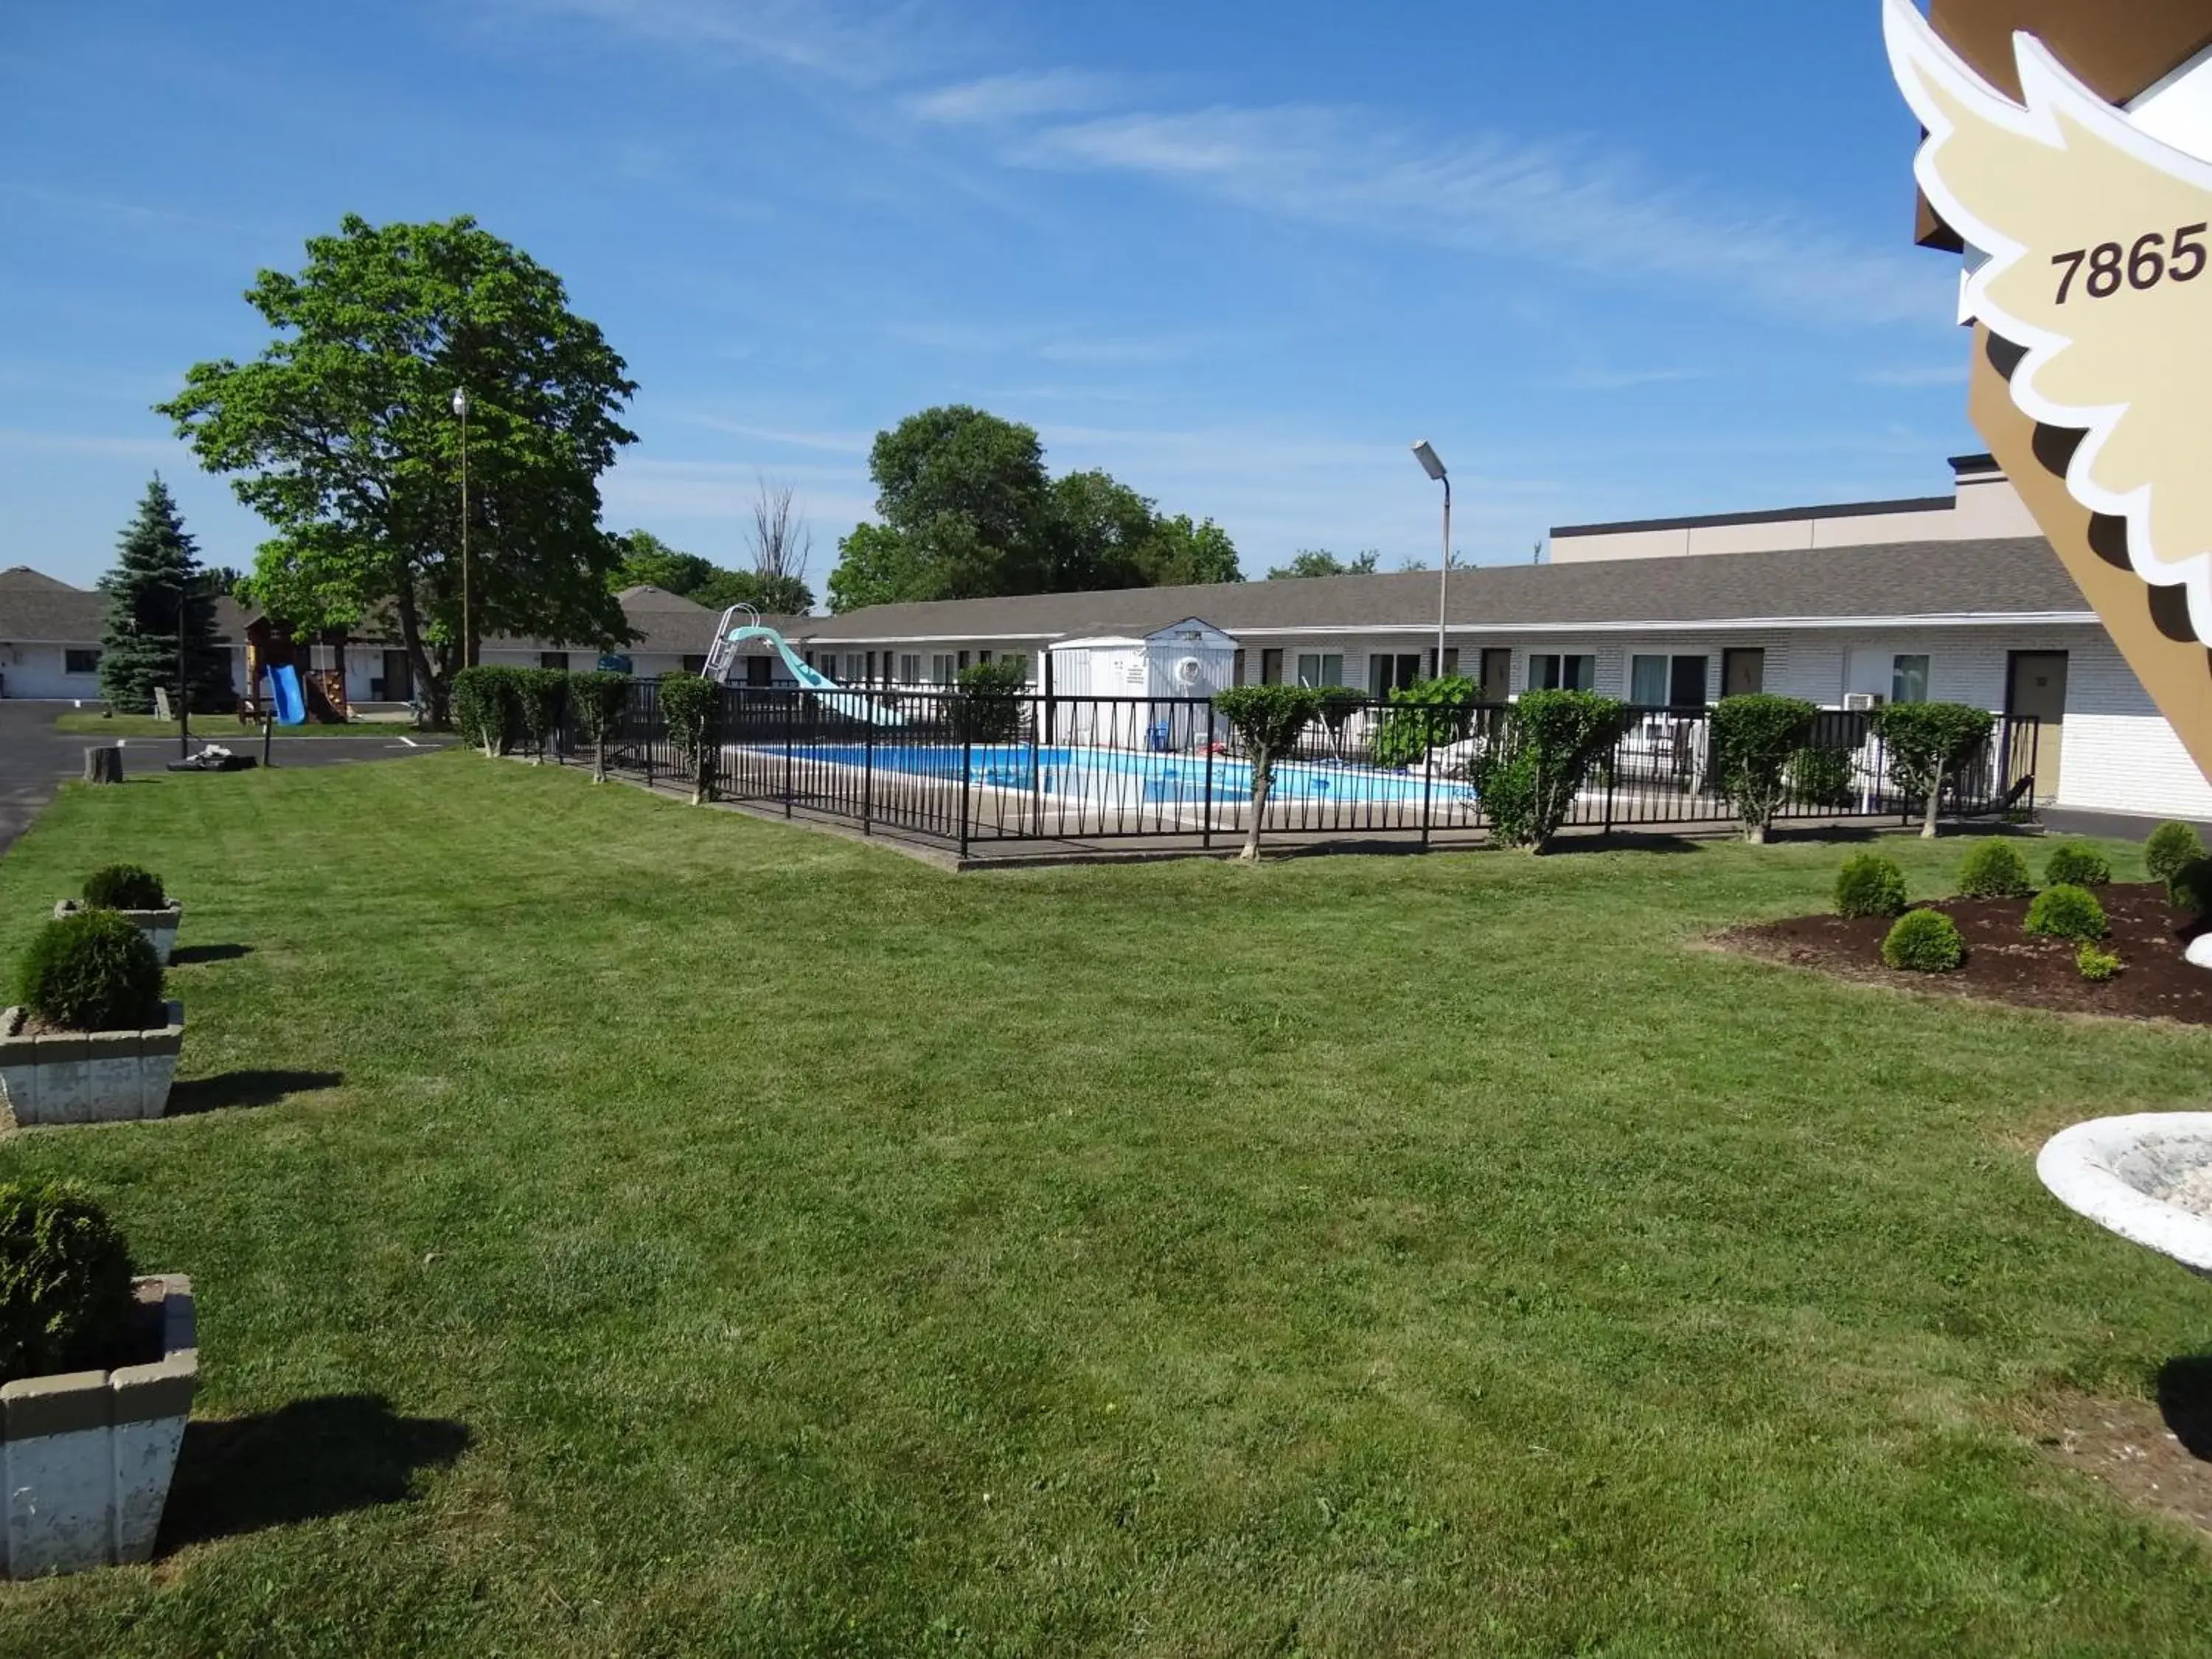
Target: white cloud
<point>863,46</point>
<point>1594,212</point>
<point>998,98</point>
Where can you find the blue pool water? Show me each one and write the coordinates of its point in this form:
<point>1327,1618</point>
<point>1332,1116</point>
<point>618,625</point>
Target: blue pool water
<point>1095,774</point>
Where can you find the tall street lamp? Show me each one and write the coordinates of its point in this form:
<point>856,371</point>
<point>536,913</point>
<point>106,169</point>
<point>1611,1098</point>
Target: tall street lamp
<point>467,631</point>
<point>1426,453</point>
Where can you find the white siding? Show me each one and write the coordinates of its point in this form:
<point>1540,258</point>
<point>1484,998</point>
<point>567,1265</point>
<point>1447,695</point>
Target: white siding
<point>2120,754</point>
<point>36,671</point>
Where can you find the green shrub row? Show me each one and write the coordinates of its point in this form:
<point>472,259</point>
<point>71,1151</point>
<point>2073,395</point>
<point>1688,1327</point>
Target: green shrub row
<point>498,708</point>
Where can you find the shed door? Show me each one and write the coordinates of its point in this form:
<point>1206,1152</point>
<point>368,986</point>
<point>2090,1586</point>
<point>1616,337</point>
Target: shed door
<point>2035,685</point>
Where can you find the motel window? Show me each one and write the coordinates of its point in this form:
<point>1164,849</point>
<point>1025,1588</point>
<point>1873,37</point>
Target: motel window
<point>1686,683</point>
<point>1318,668</point>
<point>760,670</point>
<point>910,669</point>
<point>80,662</point>
<point>1908,679</point>
<point>941,670</point>
<point>1236,669</point>
<point>695,665</point>
<point>1386,673</point>
<point>964,661</point>
<point>1647,681</point>
<point>1548,672</point>
<point>554,659</point>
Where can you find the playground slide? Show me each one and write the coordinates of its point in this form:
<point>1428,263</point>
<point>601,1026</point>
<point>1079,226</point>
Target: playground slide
<point>853,705</point>
<point>284,696</point>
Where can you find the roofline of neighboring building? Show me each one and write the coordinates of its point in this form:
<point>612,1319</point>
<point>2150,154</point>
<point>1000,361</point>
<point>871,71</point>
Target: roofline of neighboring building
<point>1779,515</point>
<point>1428,630</point>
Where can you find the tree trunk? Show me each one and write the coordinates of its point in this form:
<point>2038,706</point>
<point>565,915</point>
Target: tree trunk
<point>1934,804</point>
<point>1755,834</point>
<point>104,764</point>
<point>1263,779</point>
<point>600,758</point>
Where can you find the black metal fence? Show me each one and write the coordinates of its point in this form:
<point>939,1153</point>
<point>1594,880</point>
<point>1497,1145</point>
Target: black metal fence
<point>958,771</point>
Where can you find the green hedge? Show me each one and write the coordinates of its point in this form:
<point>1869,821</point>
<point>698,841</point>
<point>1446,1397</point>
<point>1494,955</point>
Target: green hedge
<point>1869,884</point>
<point>1930,744</point>
<point>1823,776</point>
<point>487,708</point>
<point>541,697</point>
<point>1549,744</point>
<point>1754,739</point>
<point>124,887</point>
<point>597,701</point>
<point>1425,716</point>
<point>2169,847</point>
<point>2076,864</point>
<point>65,1276</point>
<point>688,706</point>
<point>1267,720</point>
<point>2067,912</point>
<point>93,972</point>
<point>989,709</point>
<point>1924,942</point>
<point>1995,870</point>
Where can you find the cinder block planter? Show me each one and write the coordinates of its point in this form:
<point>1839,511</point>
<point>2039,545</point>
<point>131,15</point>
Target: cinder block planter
<point>159,926</point>
<point>88,1077</point>
<point>87,1456</point>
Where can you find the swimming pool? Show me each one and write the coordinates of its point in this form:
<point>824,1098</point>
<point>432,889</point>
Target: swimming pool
<point>1121,775</point>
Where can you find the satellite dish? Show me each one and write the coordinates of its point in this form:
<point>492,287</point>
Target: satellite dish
<point>1187,670</point>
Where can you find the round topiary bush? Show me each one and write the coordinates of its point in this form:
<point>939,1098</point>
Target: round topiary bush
<point>1995,870</point>
<point>2076,864</point>
<point>124,887</point>
<point>2067,912</point>
<point>1924,942</point>
<point>2169,848</point>
<point>93,972</point>
<point>1869,884</point>
<point>64,1281</point>
<point>2189,888</point>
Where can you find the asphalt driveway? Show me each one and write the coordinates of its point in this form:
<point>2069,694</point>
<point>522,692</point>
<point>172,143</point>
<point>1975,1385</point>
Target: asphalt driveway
<point>34,758</point>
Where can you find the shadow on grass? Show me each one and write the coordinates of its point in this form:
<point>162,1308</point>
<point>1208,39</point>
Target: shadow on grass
<point>323,1457</point>
<point>1625,841</point>
<point>2185,1400</point>
<point>184,955</point>
<point>229,1089</point>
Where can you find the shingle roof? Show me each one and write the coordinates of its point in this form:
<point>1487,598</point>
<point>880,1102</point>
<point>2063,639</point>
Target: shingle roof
<point>36,609</point>
<point>666,623</point>
<point>1930,580</point>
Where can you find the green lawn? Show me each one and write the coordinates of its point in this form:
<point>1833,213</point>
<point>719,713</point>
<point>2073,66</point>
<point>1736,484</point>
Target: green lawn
<point>820,1254</point>
<point>211,728</point>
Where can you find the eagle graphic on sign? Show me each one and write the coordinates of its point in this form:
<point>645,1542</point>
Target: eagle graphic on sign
<point>2093,238</point>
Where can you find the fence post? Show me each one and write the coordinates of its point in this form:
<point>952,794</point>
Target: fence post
<point>1428,775</point>
<point>966,773</point>
<point>1206,834</point>
<point>868,779</point>
<point>790,719</point>
<point>1038,717</point>
<point>1612,772</point>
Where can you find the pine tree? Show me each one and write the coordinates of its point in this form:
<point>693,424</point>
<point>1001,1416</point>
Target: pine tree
<point>138,643</point>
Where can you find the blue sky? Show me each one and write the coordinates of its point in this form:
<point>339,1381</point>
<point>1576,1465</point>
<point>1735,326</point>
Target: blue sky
<point>1616,260</point>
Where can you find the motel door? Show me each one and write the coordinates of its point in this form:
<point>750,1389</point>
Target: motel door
<point>1497,674</point>
<point>1743,671</point>
<point>2036,685</point>
<point>398,677</point>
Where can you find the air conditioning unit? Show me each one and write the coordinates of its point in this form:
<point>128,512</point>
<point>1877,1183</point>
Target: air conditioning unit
<point>1859,702</point>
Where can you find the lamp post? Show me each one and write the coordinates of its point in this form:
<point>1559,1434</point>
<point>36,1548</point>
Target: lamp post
<point>467,631</point>
<point>184,685</point>
<point>1426,453</point>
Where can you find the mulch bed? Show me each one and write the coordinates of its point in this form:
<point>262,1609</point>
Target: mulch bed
<point>2004,964</point>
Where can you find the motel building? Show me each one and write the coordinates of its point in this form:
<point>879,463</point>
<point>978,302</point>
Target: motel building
<point>1956,599</point>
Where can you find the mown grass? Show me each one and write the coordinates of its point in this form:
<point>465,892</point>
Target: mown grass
<point>211,728</point>
<point>821,1253</point>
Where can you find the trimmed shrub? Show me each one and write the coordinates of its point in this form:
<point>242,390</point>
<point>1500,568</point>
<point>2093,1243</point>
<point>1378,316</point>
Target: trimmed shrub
<point>1924,942</point>
<point>1337,705</point>
<point>2189,888</point>
<point>65,1281</point>
<point>2067,912</point>
<point>124,887</point>
<point>2095,964</point>
<point>1995,870</point>
<point>1929,744</point>
<point>2076,864</point>
<point>689,704</point>
<point>2169,848</point>
<point>1266,719</point>
<point>93,972</point>
<point>1754,738</point>
<point>1822,777</point>
<point>487,707</point>
<point>1425,716</point>
<point>1527,780</point>
<point>1869,884</point>
<point>541,697</point>
<point>989,709</point>
<point>597,702</point>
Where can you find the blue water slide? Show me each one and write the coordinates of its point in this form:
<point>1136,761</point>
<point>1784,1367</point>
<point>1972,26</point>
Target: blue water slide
<point>853,704</point>
<point>285,697</point>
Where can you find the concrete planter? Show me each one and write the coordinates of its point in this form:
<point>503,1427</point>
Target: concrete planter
<point>87,1456</point>
<point>88,1077</point>
<point>159,926</point>
<point>2147,1177</point>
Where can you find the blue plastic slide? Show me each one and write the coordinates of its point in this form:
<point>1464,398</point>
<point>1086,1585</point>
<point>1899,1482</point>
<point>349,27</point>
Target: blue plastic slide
<point>851,704</point>
<point>283,692</point>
